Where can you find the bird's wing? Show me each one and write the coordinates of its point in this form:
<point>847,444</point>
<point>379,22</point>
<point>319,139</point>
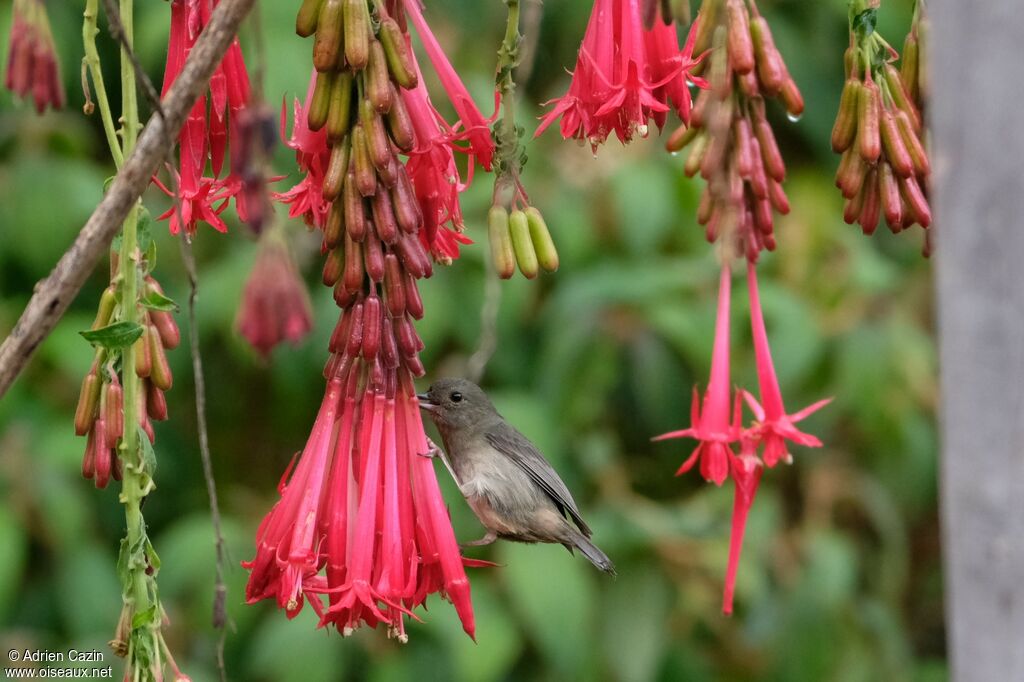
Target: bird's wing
<point>520,450</point>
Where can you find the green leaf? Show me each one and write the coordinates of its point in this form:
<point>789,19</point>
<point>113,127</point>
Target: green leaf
<point>154,300</point>
<point>864,23</point>
<point>145,618</point>
<point>114,336</point>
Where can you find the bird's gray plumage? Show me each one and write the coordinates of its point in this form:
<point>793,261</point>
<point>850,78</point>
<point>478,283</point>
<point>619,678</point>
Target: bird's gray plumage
<point>507,482</point>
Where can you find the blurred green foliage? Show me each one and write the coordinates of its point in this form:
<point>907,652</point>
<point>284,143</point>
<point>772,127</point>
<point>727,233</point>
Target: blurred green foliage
<point>840,577</point>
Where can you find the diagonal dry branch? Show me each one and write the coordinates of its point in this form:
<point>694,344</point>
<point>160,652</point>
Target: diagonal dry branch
<point>53,294</point>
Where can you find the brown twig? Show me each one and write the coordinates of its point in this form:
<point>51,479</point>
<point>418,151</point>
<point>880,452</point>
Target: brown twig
<point>52,295</point>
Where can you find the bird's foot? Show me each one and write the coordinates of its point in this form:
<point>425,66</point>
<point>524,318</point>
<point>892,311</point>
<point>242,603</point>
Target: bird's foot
<point>433,450</point>
<point>485,540</point>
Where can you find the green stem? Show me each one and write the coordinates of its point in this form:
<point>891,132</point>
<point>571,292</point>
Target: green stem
<point>507,136</point>
<point>92,60</point>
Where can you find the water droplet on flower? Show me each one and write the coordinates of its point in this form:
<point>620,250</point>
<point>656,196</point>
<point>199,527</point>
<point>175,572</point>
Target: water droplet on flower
<point>795,118</point>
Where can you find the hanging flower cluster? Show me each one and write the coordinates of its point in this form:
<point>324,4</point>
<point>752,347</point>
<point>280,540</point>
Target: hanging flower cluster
<point>100,411</point>
<point>204,137</point>
<point>33,68</point>
<point>275,305</point>
<point>716,422</point>
<point>732,145</point>
<point>879,131</point>
<point>630,70</point>
<point>361,529</point>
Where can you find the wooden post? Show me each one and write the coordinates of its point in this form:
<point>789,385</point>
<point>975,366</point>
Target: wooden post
<point>977,114</point>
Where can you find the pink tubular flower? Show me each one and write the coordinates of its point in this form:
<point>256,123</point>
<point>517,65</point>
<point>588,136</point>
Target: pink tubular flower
<point>710,422</point>
<point>746,471</point>
<point>625,75</point>
<point>774,427</point>
<point>204,137</point>
<point>306,199</point>
<point>361,521</point>
<point>275,306</point>
<point>33,69</point>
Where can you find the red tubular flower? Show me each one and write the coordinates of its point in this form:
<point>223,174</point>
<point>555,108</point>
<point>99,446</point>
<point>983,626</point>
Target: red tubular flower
<point>710,421</point>
<point>625,75</point>
<point>746,471</point>
<point>306,199</point>
<point>275,306</point>
<point>33,68</point>
<point>204,137</point>
<point>773,427</point>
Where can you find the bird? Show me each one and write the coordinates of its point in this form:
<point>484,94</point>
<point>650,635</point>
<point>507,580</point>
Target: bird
<point>510,486</point>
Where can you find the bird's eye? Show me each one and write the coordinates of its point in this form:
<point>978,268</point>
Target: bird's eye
<point>456,397</point>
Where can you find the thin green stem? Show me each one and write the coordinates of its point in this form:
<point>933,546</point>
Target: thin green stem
<point>92,61</point>
<point>506,132</point>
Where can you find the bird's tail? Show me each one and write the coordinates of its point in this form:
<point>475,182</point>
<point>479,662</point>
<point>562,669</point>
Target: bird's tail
<point>592,552</point>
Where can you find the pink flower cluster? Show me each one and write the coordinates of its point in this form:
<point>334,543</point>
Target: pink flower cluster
<point>626,75</point>
<point>33,69</point>
<point>716,422</point>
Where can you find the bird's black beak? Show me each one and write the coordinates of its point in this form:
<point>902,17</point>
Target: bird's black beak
<point>426,402</point>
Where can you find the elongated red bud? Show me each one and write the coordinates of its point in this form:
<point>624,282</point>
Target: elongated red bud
<point>320,104</point>
<point>900,96</point>
<point>353,273</point>
<point>357,33</point>
<point>339,108</point>
<point>102,454</point>
<point>770,68</point>
<point>871,207</point>
<point>334,228</point>
<point>355,211</point>
<point>844,130</point>
<point>377,142</point>
<point>105,310</point>
<point>916,201</point>
<point>373,257</point>
<point>398,54</point>
<point>378,84</point>
<point>741,47</point>
<point>762,214</point>
<point>113,410</point>
<point>748,84</point>
<point>705,206</point>
<point>413,302</point>
<point>400,124</point>
<point>339,337</point>
<point>744,158</point>
<point>366,176</point>
<point>777,195</point>
<point>88,400</point>
<point>714,156</point>
<point>890,194</point>
<point>384,216</point>
<point>355,332</point>
<point>407,208</point>
<point>372,318</point>
<point>695,158</point>
<point>759,178</point>
<point>388,346</point>
<point>405,335</point>
<point>342,296</point>
<point>337,169</point>
<point>333,266</point>
<point>306,19</point>
<point>143,355</point>
<point>156,402</point>
<point>791,98</point>
<point>394,291</point>
<point>161,374</point>
<point>327,44</point>
<point>892,142</point>
<point>918,155</point>
<point>89,458</point>
<point>388,176</point>
<point>869,141</point>
<point>414,258</point>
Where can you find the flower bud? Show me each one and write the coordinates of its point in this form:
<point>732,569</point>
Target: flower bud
<point>705,207</point>
<point>502,255</point>
<point>320,103</point>
<point>333,266</point>
<point>871,207</point>
<point>759,179</point>
<point>917,204</point>
<point>845,128</point>
<point>526,255</point>
<point>161,374</point>
<point>394,292</point>
<point>696,157</point>
<point>791,97</point>
<point>853,176</point>
<point>892,142</point>
<point>388,345</point>
<point>918,155</point>
<point>543,244</point>
<point>88,400</point>
<point>113,411</point>
<point>335,226</point>
<point>910,67</point>
<point>741,49</point>
<point>342,296</point>
<point>748,84</point>
<point>306,19</point>
<point>327,44</point>
<point>339,108</point>
<point>337,169</point>
<point>378,85</point>
<point>398,54</point>
<point>105,310</point>
<point>384,216</point>
<point>377,142</point>
<point>373,259</point>
<point>770,68</point>
<point>357,33</point>
<point>353,272</point>
<point>366,176</point>
<point>889,191</point>
<point>869,141</point>
<point>372,318</point>
<point>355,211</point>
<point>143,355</point>
<point>400,123</point>
<point>156,402</point>
<point>405,335</point>
<point>900,96</point>
<point>741,148</point>
<point>681,137</point>
<point>413,257</point>
<point>777,195</point>
<point>407,208</point>
<point>413,302</point>
<point>89,458</point>
<point>101,456</point>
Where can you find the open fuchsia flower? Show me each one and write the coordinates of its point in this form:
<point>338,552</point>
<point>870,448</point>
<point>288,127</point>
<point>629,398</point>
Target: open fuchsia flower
<point>626,74</point>
<point>33,68</point>
<point>361,529</point>
<point>204,137</point>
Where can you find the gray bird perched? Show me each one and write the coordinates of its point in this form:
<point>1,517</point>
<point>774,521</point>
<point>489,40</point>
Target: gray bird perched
<point>505,479</point>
